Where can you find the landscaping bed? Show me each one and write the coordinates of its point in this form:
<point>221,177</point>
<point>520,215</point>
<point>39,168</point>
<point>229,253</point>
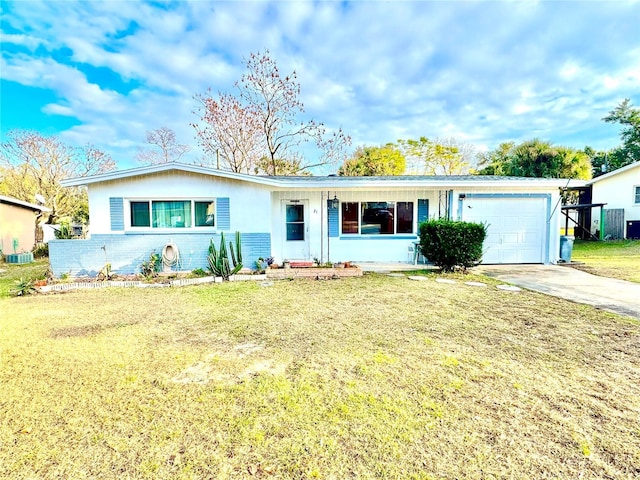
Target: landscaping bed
<point>314,272</point>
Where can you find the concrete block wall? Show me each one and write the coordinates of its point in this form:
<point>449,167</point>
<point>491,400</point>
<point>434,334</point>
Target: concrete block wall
<point>126,252</point>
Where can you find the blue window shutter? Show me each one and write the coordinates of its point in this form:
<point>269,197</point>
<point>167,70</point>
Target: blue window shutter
<point>116,211</point>
<point>223,214</point>
<point>332,218</point>
<point>423,210</point>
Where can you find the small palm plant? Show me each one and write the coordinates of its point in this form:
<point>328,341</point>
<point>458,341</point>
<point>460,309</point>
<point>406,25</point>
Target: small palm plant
<point>24,287</point>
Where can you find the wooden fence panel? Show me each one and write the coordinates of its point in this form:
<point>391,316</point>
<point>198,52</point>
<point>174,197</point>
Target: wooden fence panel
<point>614,223</point>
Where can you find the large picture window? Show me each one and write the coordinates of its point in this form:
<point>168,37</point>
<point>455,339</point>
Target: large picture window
<point>377,218</point>
<point>172,213</point>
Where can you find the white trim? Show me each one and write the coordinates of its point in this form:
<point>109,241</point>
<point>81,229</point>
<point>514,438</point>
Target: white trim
<point>128,228</point>
<point>636,195</point>
<point>295,249</point>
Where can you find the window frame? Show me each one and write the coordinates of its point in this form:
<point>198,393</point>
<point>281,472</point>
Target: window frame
<point>150,228</point>
<point>636,195</point>
<point>359,210</point>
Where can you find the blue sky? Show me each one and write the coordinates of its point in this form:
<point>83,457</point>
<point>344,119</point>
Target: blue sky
<point>482,72</point>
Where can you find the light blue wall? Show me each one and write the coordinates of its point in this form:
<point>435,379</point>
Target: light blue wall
<point>126,252</point>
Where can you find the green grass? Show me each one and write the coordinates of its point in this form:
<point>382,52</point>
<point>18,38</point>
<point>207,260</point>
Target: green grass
<point>372,377</point>
<point>11,273</point>
<point>616,259</point>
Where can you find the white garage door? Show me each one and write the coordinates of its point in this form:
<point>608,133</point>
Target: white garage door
<point>516,227</point>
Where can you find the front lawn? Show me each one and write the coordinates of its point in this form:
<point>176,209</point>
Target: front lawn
<point>615,259</point>
<point>11,273</point>
<point>372,377</point>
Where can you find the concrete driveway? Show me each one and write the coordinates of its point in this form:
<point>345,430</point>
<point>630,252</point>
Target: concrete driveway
<point>609,294</point>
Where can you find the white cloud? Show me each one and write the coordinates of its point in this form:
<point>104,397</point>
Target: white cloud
<point>485,72</point>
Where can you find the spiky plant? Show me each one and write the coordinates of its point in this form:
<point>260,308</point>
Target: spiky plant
<point>218,259</point>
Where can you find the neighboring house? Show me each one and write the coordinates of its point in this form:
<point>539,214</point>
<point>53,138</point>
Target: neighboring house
<point>18,224</point>
<point>142,210</point>
<point>620,191</point>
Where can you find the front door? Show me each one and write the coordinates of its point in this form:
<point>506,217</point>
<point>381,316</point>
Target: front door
<point>296,231</point>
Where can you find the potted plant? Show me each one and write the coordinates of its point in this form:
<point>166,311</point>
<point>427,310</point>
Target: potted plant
<point>261,265</point>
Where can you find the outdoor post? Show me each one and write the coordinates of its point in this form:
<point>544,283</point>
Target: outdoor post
<point>328,235</point>
<point>601,223</point>
<point>322,229</point>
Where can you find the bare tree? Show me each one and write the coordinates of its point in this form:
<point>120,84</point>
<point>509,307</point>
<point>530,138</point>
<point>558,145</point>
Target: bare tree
<point>265,116</point>
<point>35,164</point>
<point>230,130</point>
<point>164,147</point>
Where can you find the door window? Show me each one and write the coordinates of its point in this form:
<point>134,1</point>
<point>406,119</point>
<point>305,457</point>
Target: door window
<point>295,222</point>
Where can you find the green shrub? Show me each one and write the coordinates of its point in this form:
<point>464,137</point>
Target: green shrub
<point>24,287</point>
<point>151,267</point>
<point>449,244</point>
<point>64,231</point>
<point>198,272</point>
<point>41,250</point>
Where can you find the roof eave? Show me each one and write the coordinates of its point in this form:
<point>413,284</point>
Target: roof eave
<point>606,176</point>
<point>421,183</point>
<point>332,183</point>
<point>164,167</point>
<point>31,206</point>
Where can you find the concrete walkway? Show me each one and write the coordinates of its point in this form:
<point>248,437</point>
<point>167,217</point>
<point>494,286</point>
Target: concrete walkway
<point>609,294</point>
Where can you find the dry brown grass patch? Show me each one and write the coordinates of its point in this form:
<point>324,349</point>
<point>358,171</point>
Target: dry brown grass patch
<point>375,377</point>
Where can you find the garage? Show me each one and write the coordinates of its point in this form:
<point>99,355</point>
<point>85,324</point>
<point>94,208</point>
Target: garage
<point>517,226</point>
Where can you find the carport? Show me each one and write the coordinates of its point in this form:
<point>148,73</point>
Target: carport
<point>583,210</point>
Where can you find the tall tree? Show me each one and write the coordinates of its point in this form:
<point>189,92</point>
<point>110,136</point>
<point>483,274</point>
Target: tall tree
<point>35,164</point>
<point>436,157</point>
<point>535,158</point>
<point>270,102</point>
<point>495,162</point>
<point>164,147</point>
<point>371,161</point>
<point>629,117</point>
<point>229,130</point>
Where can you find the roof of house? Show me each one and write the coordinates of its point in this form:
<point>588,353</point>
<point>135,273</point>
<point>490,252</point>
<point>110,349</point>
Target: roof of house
<point>606,176</point>
<point>330,181</point>
<point>20,203</point>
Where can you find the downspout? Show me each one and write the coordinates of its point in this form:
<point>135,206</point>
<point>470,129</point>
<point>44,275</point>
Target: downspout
<point>322,228</point>
<point>450,207</point>
<point>328,235</point>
